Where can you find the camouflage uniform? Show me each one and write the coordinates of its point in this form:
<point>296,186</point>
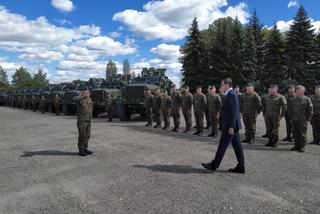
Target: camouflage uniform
<point>42,104</point>
<point>148,102</point>
<point>165,108</point>
<point>24,102</point>
<point>289,98</point>
<point>57,100</point>
<point>263,101</point>
<point>34,103</point>
<point>109,106</point>
<point>250,107</point>
<point>214,109</point>
<point>186,106</point>
<point>274,108</point>
<point>300,113</point>
<point>208,119</point>
<point>156,108</point>
<point>84,107</point>
<point>315,121</point>
<point>175,108</point>
<point>199,107</point>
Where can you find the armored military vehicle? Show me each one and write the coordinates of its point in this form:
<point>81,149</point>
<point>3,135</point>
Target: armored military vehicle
<point>100,93</point>
<point>2,97</point>
<point>55,89</point>
<point>131,100</point>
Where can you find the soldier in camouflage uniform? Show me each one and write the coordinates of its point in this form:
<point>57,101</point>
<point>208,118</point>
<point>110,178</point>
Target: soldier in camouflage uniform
<point>84,109</point>
<point>199,107</point>
<point>34,103</point>
<point>148,102</point>
<point>214,105</point>
<point>57,100</point>
<point>289,96</point>
<point>157,108</point>
<point>263,100</point>
<point>207,111</point>
<point>42,104</point>
<point>175,108</point>
<point>315,121</point>
<point>109,106</point>
<point>300,113</point>
<point>222,96</point>
<point>165,109</point>
<point>186,106</point>
<point>250,107</point>
<point>274,108</point>
<point>24,102</point>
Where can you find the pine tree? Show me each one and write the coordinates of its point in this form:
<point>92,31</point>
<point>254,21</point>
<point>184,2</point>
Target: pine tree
<point>300,49</point>
<point>316,67</point>
<point>275,69</point>
<point>191,58</point>
<point>3,76</point>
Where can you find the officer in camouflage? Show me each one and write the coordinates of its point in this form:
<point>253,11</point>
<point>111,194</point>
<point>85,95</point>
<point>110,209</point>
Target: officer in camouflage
<point>207,110</point>
<point>300,114</point>
<point>157,107</point>
<point>175,108</point>
<point>186,106</point>
<point>199,107</point>
<point>165,108</point>
<point>274,108</point>
<point>289,97</point>
<point>34,103</point>
<point>42,104</point>
<point>315,121</point>
<point>57,101</point>
<point>84,109</point>
<point>110,106</point>
<point>250,107</point>
<point>214,105</point>
<point>148,102</point>
<point>263,100</point>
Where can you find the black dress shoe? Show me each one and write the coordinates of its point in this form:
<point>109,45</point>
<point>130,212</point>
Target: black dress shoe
<point>88,152</point>
<point>238,170</point>
<point>196,133</point>
<point>209,166</point>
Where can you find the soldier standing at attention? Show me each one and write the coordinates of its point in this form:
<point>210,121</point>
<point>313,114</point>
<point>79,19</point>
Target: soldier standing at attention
<point>300,113</point>
<point>187,100</point>
<point>274,108</point>
<point>24,102</point>
<point>315,121</point>
<point>165,107</point>
<point>199,107</point>
<point>148,102</point>
<point>109,106</point>
<point>175,108</point>
<point>250,107</point>
<point>84,107</point>
<point>33,103</point>
<point>42,104</point>
<point>207,111</point>
<point>263,100</point>
<point>157,107</point>
<point>57,104</point>
<point>214,108</point>
<point>289,96</point>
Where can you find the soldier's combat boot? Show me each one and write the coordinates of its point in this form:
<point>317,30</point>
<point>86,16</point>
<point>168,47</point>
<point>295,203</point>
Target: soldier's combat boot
<point>186,130</point>
<point>165,127</point>
<point>294,148</point>
<point>211,134</point>
<point>88,152</point>
<point>207,127</point>
<point>82,152</point>
<point>252,141</point>
<point>275,143</point>
<point>288,138</point>
<point>200,133</point>
<point>196,133</point>
<point>174,130</point>
<point>245,140</point>
<point>265,135</point>
<point>314,142</point>
<point>148,124</point>
<point>301,149</point>
<point>270,142</point>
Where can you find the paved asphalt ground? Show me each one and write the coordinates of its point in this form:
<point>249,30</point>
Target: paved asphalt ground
<point>142,170</point>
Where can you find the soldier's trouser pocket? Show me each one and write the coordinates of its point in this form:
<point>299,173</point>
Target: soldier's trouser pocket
<point>84,130</point>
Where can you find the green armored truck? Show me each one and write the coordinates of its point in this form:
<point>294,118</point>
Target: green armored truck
<point>131,100</point>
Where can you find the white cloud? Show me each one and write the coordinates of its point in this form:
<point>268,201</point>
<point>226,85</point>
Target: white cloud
<point>63,5</point>
<point>293,3</point>
<point>114,34</point>
<point>284,26</point>
<point>167,52</point>
<point>169,19</point>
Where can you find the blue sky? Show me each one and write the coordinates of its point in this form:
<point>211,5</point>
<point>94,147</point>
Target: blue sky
<point>73,39</point>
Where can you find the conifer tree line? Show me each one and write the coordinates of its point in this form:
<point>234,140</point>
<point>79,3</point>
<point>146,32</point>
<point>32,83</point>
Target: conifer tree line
<point>252,53</point>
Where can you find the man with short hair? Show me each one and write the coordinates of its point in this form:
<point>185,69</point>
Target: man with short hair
<point>315,121</point>
<point>186,106</point>
<point>199,107</point>
<point>230,126</point>
<point>263,100</point>
<point>207,110</point>
<point>250,107</point>
<point>165,108</point>
<point>274,108</point>
<point>214,107</point>
<point>148,104</point>
<point>289,97</point>
<point>84,109</point>
<point>175,108</point>
<point>300,113</point>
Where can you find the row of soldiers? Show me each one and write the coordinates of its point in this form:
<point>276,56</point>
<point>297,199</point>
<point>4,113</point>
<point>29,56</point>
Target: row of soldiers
<point>297,109</point>
<point>34,103</point>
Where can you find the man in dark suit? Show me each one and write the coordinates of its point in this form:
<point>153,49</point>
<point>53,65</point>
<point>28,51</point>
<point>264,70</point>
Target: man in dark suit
<point>230,126</point>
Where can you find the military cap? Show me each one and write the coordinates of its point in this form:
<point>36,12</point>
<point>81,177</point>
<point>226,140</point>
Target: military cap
<point>249,84</point>
<point>274,86</point>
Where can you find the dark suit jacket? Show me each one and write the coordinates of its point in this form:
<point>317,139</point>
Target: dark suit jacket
<point>230,114</point>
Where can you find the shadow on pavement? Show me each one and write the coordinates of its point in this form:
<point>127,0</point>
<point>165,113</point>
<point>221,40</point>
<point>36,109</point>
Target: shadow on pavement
<point>178,169</point>
<point>48,153</point>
